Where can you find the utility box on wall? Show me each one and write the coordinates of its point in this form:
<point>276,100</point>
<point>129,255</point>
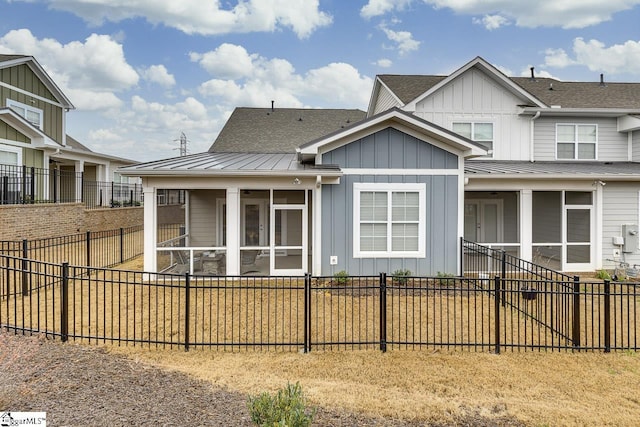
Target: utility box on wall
<point>630,235</point>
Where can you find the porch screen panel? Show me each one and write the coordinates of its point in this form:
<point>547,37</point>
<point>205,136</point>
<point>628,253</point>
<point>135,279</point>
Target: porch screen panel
<point>547,217</point>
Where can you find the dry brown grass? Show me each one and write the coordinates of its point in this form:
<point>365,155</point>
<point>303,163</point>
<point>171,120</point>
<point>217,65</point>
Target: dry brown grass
<point>589,389</point>
<point>547,388</point>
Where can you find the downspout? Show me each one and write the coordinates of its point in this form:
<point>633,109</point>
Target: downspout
<point>534,118</point>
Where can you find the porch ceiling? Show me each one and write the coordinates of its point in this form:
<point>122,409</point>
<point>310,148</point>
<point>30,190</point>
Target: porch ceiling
<point>628,171</point>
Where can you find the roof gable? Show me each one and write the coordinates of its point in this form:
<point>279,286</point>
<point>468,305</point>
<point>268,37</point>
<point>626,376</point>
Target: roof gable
<point>7,61</point>
<point>279,130</point>
<point>403,121</point>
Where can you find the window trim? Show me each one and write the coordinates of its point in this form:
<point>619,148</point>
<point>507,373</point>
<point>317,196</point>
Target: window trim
<point>14,150</point>
<point>27,108</point>
<point>577,143</point>
<point>390,188</point>
<point>473,124</point>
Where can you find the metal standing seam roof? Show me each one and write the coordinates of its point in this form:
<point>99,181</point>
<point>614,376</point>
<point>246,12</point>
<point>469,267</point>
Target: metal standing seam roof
<point>230,164</point>
<point>550,170</point>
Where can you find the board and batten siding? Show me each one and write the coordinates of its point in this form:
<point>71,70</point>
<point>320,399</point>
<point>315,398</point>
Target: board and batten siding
<point>475,97</point>
<point>23,78</point>
<point>612,145</point>
<point>620,204</point>
<point>9,133</point>
<point>391,149</point>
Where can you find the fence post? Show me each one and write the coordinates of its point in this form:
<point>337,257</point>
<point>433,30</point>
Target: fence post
<point>461,256</point>
<point>383,312</point>
<point>187,309</point>
<point>575,330</point>
<point>503,270</point>
<point>607,316</point>
<point>55,185</point>
<point>64,303</point>
<point>497,286</point>
<point>25,268</point>
<point>307,313</point>
<point>121,245</point>
<point>33,184</point>
<point>24,185</point>
<point>88,239</point>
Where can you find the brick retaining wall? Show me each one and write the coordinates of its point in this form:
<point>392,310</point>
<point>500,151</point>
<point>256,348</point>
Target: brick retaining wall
<point>19,222</point>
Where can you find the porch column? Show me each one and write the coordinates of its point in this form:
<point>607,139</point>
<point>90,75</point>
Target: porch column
<point>526,224</point>
<point>79,168</point>
<point>150,227</point>
<point>233,231</point>
<point>316,223</point>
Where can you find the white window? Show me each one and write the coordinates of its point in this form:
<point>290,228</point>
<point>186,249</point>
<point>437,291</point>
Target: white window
<point>482,133</point>
<point>10,155</point>
<point>32,114</point>
<point>389,220</point>
<point>575,141</point>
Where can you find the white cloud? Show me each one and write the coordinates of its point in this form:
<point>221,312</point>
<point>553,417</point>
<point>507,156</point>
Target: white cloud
<point>557,58</point>
<point>261,80</point>
<point>384,63</point>
<point>595,55</point>
<point>88,73</point>
<point>205,17</point>
<point>158,74</point>
<point>491,22</point>
<point>550,13</point>
<point>380,7</point>
<point>227,61</point>
<point>404,40</point>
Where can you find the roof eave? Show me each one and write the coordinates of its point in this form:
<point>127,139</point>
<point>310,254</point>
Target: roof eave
<point>126,171</point>
<point>588,112</point>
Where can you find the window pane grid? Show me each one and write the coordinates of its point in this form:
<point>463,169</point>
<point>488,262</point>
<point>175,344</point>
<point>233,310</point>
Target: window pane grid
<point>389,221</point>
<point>576,141</point>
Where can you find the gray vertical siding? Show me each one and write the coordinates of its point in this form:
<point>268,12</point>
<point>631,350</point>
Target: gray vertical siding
<point>391,149</point>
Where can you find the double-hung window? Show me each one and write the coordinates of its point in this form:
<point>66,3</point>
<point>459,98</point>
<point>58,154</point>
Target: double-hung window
<point>389,220</point>
<point>576,141</point>
<point>32,114</point>
<point>479,132</point>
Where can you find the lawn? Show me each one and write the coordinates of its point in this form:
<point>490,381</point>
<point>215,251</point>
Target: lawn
<point>435,387</point>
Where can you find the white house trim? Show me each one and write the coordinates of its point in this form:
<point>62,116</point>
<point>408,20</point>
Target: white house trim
<point>401,172</point>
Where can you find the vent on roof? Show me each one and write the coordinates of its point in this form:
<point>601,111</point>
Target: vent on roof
<point>533,76</point>
<point>272,105</point>
<point>602,83</point>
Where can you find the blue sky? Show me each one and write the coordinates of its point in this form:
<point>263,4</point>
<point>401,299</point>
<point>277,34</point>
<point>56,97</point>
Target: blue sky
<point>141,72</point>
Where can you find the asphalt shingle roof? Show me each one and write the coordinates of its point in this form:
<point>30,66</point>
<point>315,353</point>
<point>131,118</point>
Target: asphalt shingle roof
<point>282,130</point>
<point>564,94</point>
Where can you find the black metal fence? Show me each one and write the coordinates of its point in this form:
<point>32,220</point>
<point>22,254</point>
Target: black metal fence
<point>315,313</point>
<point>93,248</point>
<point>28,185</point>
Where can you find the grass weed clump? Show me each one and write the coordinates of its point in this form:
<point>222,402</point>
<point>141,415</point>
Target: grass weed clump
<point>287,408</point>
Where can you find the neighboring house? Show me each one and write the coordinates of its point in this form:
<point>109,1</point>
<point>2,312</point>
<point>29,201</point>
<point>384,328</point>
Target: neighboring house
<point>38,160</point>
<point>544,169</point>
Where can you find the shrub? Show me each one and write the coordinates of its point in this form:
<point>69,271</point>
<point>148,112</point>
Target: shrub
<point>286,408</point>
<point>444,277</point>
<point>400,276</point>
<point>341,277</point>
<point>603,275</point>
